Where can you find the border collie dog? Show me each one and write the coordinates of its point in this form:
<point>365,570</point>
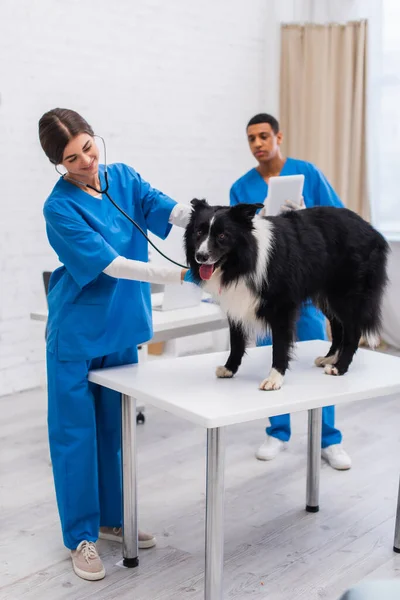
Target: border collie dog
<point>261,269</point>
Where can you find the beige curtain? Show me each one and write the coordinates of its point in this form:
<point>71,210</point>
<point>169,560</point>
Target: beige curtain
<point>323,103</point>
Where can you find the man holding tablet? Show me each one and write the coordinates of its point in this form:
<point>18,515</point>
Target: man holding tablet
<point>265,138</point>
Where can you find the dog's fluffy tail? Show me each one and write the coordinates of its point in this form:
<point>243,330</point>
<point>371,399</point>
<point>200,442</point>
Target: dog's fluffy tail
<point>372,339</point>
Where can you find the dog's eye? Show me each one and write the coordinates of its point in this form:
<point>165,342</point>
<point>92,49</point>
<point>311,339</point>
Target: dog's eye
<point>199,233</point>
<point>221,236</point>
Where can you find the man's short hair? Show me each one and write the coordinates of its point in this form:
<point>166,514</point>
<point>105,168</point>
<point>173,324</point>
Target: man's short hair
<point>265,118</point>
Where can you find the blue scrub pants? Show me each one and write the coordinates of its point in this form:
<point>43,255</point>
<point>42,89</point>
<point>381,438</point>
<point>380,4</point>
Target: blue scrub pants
<point>310,326</point>
<point>84,423</point>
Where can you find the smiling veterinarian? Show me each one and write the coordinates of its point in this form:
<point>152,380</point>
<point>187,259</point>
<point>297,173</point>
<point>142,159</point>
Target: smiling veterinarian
<point>265,138</point>
<point>99,311</point>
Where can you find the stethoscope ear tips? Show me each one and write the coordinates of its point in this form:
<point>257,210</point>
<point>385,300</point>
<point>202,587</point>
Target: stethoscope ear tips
<point>58,171</point>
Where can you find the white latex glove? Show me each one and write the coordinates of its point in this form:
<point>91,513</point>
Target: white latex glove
<point>289,205</point>
<point>262,212</point>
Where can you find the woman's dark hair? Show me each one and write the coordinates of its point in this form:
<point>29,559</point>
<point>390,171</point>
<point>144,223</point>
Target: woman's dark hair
<point>56,128</point>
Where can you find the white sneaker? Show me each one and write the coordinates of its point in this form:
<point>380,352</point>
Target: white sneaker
<point>270,448</point>
<point>114,534</point>
<point>337,457</point>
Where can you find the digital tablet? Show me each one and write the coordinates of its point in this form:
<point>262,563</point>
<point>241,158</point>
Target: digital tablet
<point>280,189</point>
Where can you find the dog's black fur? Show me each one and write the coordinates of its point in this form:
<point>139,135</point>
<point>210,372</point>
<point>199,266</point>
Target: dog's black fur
<point>329,255</point>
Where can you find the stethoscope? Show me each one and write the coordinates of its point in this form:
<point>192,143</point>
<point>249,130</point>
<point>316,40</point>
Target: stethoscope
<point>105,192</point>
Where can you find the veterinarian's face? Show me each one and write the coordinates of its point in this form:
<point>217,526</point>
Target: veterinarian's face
<point>264,143</point>
<point>81,157</point>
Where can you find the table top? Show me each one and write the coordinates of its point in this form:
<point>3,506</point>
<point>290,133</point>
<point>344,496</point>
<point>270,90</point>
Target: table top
<point>188,387</point>
<point>175,323</point>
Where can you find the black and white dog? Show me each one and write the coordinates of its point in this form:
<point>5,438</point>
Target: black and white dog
<point>261,269</point>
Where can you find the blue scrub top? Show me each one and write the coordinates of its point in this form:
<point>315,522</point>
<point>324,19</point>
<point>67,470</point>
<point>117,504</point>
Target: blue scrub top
<point>317,191</point>
<point>90,313</point>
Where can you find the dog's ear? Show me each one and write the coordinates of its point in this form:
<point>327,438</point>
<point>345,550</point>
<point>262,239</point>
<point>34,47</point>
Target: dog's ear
<point>196,203</point>
<point>241,212</point>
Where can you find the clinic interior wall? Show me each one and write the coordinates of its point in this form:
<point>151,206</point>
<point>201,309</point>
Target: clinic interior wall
<point>169,85</point>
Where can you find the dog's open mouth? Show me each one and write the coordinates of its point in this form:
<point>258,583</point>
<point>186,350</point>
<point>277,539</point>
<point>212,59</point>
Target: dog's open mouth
<point>206,271</point>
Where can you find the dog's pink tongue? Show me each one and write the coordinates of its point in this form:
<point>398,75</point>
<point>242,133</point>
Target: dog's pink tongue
<point>206,271</point>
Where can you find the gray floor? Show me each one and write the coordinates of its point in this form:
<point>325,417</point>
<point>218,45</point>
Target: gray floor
<point>273,549</point>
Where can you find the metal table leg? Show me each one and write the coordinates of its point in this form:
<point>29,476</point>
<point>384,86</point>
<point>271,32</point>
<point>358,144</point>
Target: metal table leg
<point>396,546</point>
<point>130,551</point>
<point>313,459</point>
<point>214,514</point>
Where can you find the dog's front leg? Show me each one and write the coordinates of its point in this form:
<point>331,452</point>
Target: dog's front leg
<point>282,341</point>
<point>238,339</point>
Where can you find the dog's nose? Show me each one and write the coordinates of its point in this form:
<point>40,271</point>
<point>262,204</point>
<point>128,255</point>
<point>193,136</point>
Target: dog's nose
<point>202,257</point>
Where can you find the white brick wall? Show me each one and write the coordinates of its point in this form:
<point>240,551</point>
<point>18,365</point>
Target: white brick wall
<point>169,84</point>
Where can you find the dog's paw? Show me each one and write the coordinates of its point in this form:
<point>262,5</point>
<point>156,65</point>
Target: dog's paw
<point>223,372</point>
<point>331,370</point>
<point>322,361</point>
<point>274,381</point>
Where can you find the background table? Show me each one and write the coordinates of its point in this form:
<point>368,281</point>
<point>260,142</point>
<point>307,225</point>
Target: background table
<point>172,324</point>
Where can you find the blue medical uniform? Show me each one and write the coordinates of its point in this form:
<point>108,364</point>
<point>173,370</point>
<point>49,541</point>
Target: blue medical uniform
<point>95,321</point>
<point>251,188</point>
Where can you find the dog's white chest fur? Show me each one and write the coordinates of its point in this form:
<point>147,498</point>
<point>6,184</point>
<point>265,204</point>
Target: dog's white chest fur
<point>239,300</point>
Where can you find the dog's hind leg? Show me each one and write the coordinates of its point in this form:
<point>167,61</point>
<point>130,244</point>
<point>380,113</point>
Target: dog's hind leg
<point>351,338</point>
<point>238,340</point>
<point>282,328</point>
<point>337,339</point>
